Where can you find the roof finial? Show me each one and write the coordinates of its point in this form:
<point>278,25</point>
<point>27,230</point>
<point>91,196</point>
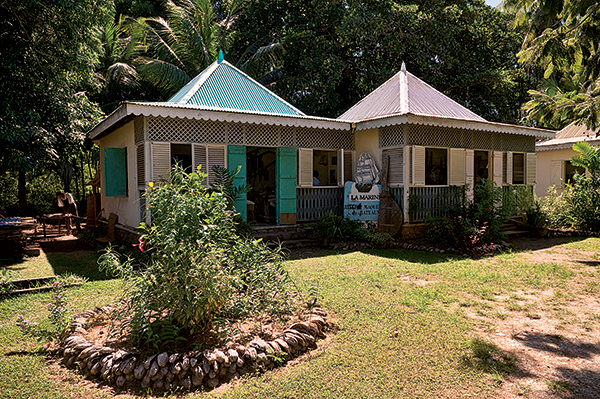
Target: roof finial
<point>221,57</point>
<point>403,67</point>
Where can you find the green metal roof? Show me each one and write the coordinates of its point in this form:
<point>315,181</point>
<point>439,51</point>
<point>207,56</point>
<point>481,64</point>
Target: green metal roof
<point>222,85</point>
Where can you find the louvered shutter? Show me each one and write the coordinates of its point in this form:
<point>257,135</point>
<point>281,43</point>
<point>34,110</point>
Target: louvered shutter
<point>161,161</point>
<point>497,165</point>
<point>469,167</point>
<point>215,156</point>
<point>348,165</point>
<point>509,167</point>
<point>396,165</point>
<point>531,168</point>
<point>556,173</point>
<point>457,167</point>
<point>141,165</point>
<point>305,166</point>
<point>418,165</point>
<point>199,159</point>
<point>340,168</point>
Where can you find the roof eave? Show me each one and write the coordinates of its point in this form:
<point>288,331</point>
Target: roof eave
<point>126,110</point>
<point>434,120</point>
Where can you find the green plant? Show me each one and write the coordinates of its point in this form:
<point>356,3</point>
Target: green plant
<point>196,267</point>
<point>224,183</point>
<point>333,228</point>
<point>536,217</point>
<point>557,208</point>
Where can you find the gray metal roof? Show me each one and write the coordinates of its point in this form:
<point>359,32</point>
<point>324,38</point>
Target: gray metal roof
<point>404,94</point>
<point>569,136</point>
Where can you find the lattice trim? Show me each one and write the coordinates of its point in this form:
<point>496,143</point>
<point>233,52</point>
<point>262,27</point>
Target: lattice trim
<point>392,136</point>
<point>211,132</point>
<point>138,128</point>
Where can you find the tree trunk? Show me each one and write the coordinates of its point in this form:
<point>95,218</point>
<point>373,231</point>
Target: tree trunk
<point>21,193</point>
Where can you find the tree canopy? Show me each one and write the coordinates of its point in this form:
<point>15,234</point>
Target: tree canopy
<point>563,38</point>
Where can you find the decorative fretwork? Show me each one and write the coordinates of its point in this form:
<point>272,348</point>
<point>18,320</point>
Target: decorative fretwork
<point>437,136</point>
<point>138,128</point>
<point>392,136</point>
<point>198,131</point>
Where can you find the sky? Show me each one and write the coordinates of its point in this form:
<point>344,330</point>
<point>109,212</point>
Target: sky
<point>492,3</point>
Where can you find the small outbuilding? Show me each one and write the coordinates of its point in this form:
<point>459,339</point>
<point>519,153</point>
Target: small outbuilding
<point>554,157</point>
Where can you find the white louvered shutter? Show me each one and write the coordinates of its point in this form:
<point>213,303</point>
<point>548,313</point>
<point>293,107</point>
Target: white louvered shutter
<point>340,168</point>
<point>161,161</point>
<point>418,165</point>
<point>199,159</point>
<point>457,167</point>
<point>348,165</point>
<point>497,165</point>
<point>305,166</point>
<point>531,168</point>
<point>396,165</point>
<point>469,167</point>
<point>556,173</point>
<point>509,167</point>
<point>215,156</point>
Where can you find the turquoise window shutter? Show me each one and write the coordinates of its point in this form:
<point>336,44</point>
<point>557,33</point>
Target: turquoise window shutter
<point>115,172</point>
<point>236,156</point>
<point>285,186</point>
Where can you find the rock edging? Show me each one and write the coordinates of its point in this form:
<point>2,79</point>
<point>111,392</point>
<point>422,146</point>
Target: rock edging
<point>208,368</point>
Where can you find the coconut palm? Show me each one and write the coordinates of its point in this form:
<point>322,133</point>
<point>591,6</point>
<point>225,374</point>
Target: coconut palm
<point>189,39</point>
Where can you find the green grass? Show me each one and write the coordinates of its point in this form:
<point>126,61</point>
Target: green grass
<point>368,295</point>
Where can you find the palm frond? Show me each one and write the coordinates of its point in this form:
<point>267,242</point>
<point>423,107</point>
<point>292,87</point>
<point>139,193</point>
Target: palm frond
<point>165,76</point>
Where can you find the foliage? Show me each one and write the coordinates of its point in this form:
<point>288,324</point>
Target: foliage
<point>332,228</point>
<point>536,216</point>
<point>58,315</point>
<point>557,208</point>
<point>196,268</point>
<point>224,183</point>
<point>335,53</point>
<point>562,39</point>
<point>180,46</point>
<point>473,223</point>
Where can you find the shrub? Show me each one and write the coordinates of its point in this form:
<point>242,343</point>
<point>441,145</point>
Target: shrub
<point>196,267</point>
<point>557,208</point>
<point>332,228</point>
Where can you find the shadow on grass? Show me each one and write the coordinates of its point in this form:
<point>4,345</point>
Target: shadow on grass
<point>534,244</point>
<point>487,357</point>
<point>581,384</point>
<point>559,345</point>
<point>79,263</point>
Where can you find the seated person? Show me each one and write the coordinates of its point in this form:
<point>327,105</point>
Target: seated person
<point>316,181</point>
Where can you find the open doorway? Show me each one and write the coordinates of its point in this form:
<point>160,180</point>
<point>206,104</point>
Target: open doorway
<point>481,167</point>
<point>261,177</point>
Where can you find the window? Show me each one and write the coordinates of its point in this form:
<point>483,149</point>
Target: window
<point>436,166</point>
<point>325,168</point>
<point>518,169</point>
<point>182,154</point>
<point>571,171</point>
<point>115,172</point>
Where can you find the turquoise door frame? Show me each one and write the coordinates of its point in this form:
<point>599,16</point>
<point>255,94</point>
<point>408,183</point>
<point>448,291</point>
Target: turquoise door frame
<point>285,185</point>
<point>236,156</point>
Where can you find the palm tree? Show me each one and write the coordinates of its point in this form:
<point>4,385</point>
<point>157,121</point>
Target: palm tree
<point>183,45</point>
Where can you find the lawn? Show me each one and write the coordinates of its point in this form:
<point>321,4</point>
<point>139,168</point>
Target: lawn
<point>407,324</point>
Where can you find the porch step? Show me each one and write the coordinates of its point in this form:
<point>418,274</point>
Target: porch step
<point>294,244</point>
<point>516,234</point>
<point>281,233</point>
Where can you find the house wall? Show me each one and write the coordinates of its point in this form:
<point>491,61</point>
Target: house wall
<point>546,170</point>
<point>368,141</point>
<point>126,207</point>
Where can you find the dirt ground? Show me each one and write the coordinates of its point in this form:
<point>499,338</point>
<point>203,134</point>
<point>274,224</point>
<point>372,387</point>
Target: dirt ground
<point>554,335</point>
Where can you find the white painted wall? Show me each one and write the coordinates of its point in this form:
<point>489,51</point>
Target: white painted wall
<point>126,207</point>
<point>544,168</point>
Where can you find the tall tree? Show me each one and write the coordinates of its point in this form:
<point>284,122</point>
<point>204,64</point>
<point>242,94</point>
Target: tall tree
<point>336,52</point>
<point>47,52</point>
<point>563,38</point>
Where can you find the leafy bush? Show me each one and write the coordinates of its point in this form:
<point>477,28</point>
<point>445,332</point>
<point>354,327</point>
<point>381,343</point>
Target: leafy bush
<point>196,268</point>
<point>557,208</point>
<point>332,228</point>
<point>536,216</point>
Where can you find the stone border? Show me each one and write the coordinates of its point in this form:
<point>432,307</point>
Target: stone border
<point>208,368</point>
